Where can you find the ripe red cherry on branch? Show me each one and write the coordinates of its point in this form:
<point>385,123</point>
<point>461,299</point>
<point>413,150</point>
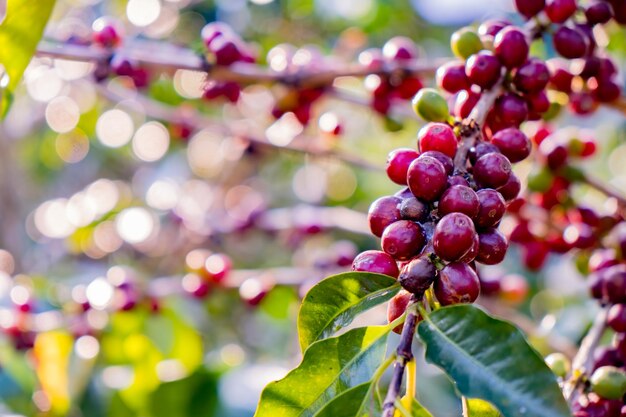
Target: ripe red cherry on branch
<point>483,69</point>
<point>492,170</point>
<point>454,236</point>
<point>382,213</point>
<point>377,262</point>
<point>417,275</point>
<point>492,247</point>
<point>398,163</point>
<point>437,137</point>
<point>491,27</point>
<point>403,239</point>
<point>459,199</point>
<point>446,161</point>
<point>513,144</point>
<point>558,11</point>
<point>397,306</point>
<point>451,77</point>
<point>457,283</point>
<point>532,76</point>
<point>427,178</point>
<point>570,42</point>
<point>529,8</point>
<point>510,110</point>
<point>511,46</point>
<point>491,208</point>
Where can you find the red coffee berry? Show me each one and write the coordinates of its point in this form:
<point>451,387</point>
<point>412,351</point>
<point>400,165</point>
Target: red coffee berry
<point>582,103</point>
<point>403,239</point>
<point>492,170</point>
<point>454,236</point>
<point>399,48</point>
<point>532,76</point>
<point>396,307</point>
<point>492,247</point>
<point>480,149</point>
<point>511,189</point>
<point>451,77</point>
<point>483,69</point>
<point>382,213</point>
<point>465,102</point>
<point>529,8</point>
<point>510,110</point>
<point>513,144</point>
<point>457,283</point>
<point>570,43</point>
<point>437,137</point>
<point>560,76</point>
<point>107,32</point>
<point>559,11</point>
<point>491,208</point>
<point>417,275</point>
<point>598,12</point>
<point>459,199</point>
<point>614,284</point>
<point>492,27</point>
<point>446,161</point>
<point>377,262</point>
<point>511,47</point>
<point>616,318</point>
<point>398,163</point>
<point>427,178</point>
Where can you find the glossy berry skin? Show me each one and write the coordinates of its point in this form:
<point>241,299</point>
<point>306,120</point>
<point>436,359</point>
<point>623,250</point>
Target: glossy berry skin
<point>427,178</point>
<point>559,11</point>
<point>492,247</point>
<point>491,27</point>
<point>377,262</point>
<point>616,318</point>
<point>511,47</point>
<point>598,12</point>
<point>480,149</point>
<point>413,209</point>
<point>396,307</point>
<point>492,170</point>
<point>459,199</point>
<point>465,102</point>
<point>570,43</point>
<point>538,103</point>
<point>604,91</point>
<point>511,189</point>
<point>417,276</point>
<point>446,161</point>
<point>483,69</point>
<point>513,144</point>
<point>457,180</point>
<point>510,110</point>
<point>437,137</point>
<point>398,163</point>
<point>454,236</point>
<point>451,77</point>
<point>560,76</point>
<point>529,8</point>
<point>614,284</point>
<point>382,213</point>
<point>532,76</point>
<point>403,239</point>
<point>457,283</point>
<point>491,208</point>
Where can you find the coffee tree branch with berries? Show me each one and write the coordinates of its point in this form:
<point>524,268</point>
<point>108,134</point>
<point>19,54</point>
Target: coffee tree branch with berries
<point>190,200</point>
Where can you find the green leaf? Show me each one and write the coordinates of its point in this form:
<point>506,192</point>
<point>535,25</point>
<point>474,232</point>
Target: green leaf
<point>418,410</point>
<point>357,402</point>
<point>19,35</point>
<point>335,301</point>
<point>490,359</point>
<point>329,368</point>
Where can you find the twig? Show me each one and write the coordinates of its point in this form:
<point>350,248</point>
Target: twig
<point>404,354</point>
<point>191,117</point>
<point>604,188</point>
<point>471,130</point>
<point>169,57</point>
<point>583,361</point>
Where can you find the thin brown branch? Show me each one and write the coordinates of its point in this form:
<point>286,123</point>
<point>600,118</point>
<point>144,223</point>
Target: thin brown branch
<point>404,354</point>
<point>191,117</point>
<point>604,188</point>
<point>583,361</point>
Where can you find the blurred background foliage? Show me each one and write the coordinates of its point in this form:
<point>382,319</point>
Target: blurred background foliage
<point>94,192</point>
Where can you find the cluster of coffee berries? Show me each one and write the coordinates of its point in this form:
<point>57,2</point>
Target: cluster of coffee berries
<point>573,38</point>
<point>394,85</point>
<point>447,218</point>
<point>225,47</point>
<point>483,55</point>
<point>291,61</point>
<point>607,380</point>
<point>548,219</point>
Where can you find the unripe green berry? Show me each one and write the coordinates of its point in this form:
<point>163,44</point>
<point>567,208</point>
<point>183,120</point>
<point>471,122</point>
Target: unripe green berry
<point>609,382</point>
<point>558,363</point>
<point>465,42</point>
<point>540,180</point>
<point>431,106</point>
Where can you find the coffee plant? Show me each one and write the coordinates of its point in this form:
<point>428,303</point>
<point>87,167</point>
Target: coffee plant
<point>180,188</point>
